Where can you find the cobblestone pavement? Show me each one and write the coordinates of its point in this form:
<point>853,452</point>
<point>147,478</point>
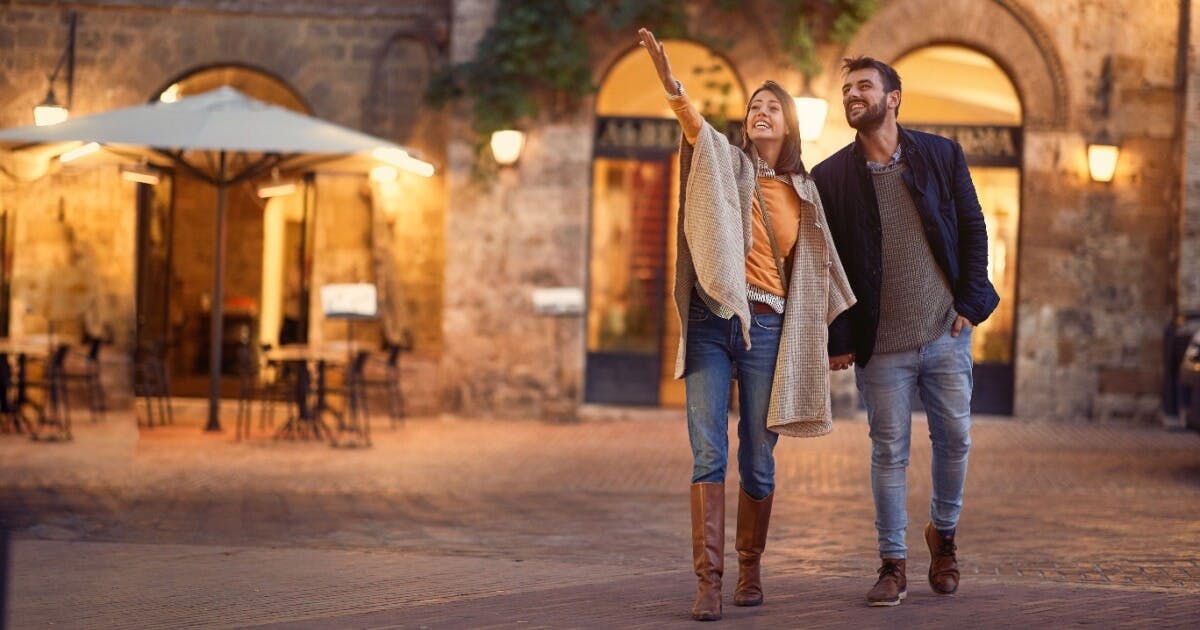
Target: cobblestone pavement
<point>487,523</point>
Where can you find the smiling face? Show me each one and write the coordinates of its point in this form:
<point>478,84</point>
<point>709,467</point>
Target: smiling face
<point>865,100</point>
<point>765,120</point>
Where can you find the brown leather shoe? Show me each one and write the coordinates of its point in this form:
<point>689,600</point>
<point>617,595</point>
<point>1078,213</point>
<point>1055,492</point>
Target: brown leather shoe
<point>753,518</point>
<point>943,564</point>
<point>708,548</point>
<point>892,586</point>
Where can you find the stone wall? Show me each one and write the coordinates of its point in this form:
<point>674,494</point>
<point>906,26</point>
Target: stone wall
<point>1096,266</point>
<point>1188,300</point>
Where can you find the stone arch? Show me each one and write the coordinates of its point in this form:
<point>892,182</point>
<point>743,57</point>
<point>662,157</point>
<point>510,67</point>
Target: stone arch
<point>253,80</point>
<point>617,56</point>
<point>1001,29</point>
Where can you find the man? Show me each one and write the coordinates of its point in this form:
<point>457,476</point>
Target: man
<point>908,226</point>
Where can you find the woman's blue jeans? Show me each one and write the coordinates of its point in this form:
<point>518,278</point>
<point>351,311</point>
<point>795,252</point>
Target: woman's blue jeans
<point>941,372</point>
<point>714,346</point>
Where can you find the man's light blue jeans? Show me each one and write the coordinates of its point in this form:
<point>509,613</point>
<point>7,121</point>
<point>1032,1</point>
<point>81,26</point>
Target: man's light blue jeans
<point>940,372</point>
<point>714,345</point>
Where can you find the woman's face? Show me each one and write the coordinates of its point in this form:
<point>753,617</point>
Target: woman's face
<point>764,118</point>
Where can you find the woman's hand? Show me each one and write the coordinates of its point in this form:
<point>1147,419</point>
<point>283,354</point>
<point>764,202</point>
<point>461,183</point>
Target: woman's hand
<point>659,57</point>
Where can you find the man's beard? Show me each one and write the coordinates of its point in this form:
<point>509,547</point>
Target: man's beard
<point>871,118</point>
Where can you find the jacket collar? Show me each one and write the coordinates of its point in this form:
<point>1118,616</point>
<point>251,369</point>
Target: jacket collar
<point>907,143</point>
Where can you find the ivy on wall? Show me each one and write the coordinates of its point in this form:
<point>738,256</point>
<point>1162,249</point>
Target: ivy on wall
<point>536,52</point>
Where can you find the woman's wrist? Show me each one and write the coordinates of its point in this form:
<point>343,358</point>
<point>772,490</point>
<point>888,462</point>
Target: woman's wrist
<point>674,88</point>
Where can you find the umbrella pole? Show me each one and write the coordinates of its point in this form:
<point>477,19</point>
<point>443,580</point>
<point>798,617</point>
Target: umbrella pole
<point>217,327</point>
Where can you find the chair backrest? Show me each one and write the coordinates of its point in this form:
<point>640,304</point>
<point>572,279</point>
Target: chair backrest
<point>93,353</point>
<point>247,362</point>
<point>360,361</point>
<point>59,356</point>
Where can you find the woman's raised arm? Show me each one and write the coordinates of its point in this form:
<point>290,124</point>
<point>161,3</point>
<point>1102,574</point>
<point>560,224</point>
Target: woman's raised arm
<point>689,118</point>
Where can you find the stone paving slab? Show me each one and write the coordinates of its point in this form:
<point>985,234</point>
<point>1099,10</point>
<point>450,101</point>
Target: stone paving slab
<point>466,523</point>
<point>119,585</point>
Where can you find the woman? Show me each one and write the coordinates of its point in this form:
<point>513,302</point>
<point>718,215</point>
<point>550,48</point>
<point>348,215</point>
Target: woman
<point>758,294</point>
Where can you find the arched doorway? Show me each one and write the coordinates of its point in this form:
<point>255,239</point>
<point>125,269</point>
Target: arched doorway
<point>957,92</point>
<point>631,333</point>
<point>268,243</point>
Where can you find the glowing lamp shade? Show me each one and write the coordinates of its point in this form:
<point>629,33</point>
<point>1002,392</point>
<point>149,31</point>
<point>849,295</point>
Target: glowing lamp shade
<point>383,174</point>
<point>78,152</point>
<point>1102,161</point>
<point>140,174</point>
<point>811,112</point>
<point>277,188</point>
<point>507,145</point>
<point>48,114</point>
<point>402,160</point>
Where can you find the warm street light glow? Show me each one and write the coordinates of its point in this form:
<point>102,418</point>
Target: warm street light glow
<point>277,188</point>
<point>811,112</point>
<point>401,159</point>
<point>383,174</point>
<point>507,145</point>
<point>78,152</point>
<point>170,95</point>
<point>1102,161</point>
<point>49,112</point>
<point>140,174</point>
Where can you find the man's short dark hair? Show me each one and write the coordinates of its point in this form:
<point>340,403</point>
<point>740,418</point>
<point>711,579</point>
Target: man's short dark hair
<point>891,80</point>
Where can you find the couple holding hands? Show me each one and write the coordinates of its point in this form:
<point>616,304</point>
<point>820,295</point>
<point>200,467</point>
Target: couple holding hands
<point>876,259</point>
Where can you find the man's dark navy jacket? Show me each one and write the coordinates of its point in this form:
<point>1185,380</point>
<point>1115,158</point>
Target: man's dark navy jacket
<point>937,177</point>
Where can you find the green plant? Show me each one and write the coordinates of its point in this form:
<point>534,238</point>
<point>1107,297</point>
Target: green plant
<point>803,24</point>
<point>536,53</point>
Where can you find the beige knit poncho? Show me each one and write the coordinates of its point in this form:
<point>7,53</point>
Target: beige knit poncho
<point>717,186</point>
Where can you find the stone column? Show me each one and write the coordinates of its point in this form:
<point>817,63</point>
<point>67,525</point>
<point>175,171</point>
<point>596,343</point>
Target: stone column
<point>1188,266</point>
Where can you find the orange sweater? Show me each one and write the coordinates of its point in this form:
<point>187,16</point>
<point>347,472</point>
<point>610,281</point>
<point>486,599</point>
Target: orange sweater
<point>783,204</point>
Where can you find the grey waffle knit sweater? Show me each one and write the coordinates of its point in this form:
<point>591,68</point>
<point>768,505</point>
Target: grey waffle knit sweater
<point>915,302</point>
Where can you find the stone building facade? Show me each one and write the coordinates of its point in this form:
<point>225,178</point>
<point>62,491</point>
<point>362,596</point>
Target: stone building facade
<point>1101,268</point>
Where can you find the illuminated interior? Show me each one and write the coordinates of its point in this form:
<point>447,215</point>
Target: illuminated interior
<point>951,85</point>
<point>634,204</point>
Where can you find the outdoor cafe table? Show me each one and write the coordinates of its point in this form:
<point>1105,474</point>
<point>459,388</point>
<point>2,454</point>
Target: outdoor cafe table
<point>310,402</point>
<point>24,349</point>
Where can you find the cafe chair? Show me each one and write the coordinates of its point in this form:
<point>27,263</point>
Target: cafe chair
<point>258,385</point>
<point>53,412</point>
<point>353,418</point>
<point>89,377</point>
<point>151,383</point>
<point>389,383</point>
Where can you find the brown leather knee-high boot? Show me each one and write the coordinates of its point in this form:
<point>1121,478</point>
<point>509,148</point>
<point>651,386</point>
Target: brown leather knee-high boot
<point>752,520</point>
<point>708,547</point>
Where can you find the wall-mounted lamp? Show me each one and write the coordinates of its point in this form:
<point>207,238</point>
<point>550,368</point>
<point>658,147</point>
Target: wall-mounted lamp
<point>1102,160</point>
<point>811,111</point>
<point>1103,152</point>
<point>140,174</point>
<point>507,145</point>
<point>276,187</point>
<point>51,112</point>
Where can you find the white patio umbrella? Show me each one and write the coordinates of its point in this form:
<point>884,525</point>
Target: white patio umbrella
<point>223,137</point>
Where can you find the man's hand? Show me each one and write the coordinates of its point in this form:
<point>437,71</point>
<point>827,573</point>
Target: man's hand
<point>659,57</point>
<point>841,361</point>
<point>960,323</point>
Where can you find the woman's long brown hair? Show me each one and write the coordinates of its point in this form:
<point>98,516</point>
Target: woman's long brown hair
<point>789,155</point>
